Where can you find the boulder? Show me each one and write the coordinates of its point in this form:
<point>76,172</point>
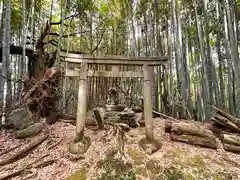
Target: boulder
<point>20,118</point>
<point>31,130</point>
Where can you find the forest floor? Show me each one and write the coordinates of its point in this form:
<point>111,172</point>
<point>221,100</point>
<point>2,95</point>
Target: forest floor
<point>172,162</point>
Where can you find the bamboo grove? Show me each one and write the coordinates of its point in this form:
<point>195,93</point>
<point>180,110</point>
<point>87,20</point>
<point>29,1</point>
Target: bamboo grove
<point>200,38</point>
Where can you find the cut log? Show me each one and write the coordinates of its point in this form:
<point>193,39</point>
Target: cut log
<point>191,129</point>
<point>228,116</point>
<point>216,128</point>
<point>231,139</point>
<point>195,140</point>
<point>226,122</point>
<point>231,148</point>
<point>23,151</point>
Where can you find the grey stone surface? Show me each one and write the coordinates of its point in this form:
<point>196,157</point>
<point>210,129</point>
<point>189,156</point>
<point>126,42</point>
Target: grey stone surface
<point>31,130</point>
<point>20,118</point>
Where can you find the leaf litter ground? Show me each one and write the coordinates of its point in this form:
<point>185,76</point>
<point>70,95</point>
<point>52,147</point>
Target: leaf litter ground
<point>173,161</point>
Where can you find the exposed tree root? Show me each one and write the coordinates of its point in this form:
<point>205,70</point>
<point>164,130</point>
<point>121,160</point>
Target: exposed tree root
<point>21,170</point>
<point>45,163</point>
<point>24,150</point>
<point>10,149</point>
<point>55,144</point>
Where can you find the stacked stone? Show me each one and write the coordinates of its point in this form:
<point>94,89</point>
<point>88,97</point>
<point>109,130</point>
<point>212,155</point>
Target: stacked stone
<point>128,117</point>
<point>118,113</point>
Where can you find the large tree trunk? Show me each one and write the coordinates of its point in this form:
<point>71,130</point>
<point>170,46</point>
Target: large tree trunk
<point>5,56</point>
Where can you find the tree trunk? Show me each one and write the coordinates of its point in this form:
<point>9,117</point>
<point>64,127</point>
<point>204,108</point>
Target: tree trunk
<point>170,58</point>
<point>178,59</point>
<point>204,79</point>
<point>6,73</point>
<point>234,53</point>
<point>220,59</point>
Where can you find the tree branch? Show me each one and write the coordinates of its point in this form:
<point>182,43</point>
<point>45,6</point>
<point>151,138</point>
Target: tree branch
<point>59,22</point>
<point>52,41</point>
<point>99,42</point>
<point>72,34</point>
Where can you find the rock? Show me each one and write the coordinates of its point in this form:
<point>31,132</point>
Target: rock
<point>131,122</point>
<point>127,117</point>
<point>128,113</point>
<point>118,107</point>
<point>31,130</point>
<point>150,146</point>
<point>20,118</point>
<point>138,117</point>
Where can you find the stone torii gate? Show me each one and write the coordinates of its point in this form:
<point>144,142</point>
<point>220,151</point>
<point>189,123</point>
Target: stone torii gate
<point>144,65</point>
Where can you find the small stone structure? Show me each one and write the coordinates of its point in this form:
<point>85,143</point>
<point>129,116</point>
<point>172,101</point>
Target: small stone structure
<point>116,112</point>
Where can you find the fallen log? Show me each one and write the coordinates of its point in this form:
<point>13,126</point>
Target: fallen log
<point>191,129</point>
<point>228,116</point>
<point>231,148</point>
<point>226,122</point>
<point>232,139</point>
<point>23,151</point>
<point>217,128</point>
<point>195,140</point>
